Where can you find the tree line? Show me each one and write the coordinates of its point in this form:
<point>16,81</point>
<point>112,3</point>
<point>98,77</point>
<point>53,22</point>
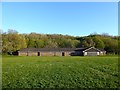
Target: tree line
<point>13,41</point>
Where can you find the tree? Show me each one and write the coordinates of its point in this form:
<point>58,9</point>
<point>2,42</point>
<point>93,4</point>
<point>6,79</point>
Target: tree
<point>51,44</point>
<point>87,42</point>
<point>12,42</point>
<point>98,43</point>
<point>111,45</point>
<point>39,43</point>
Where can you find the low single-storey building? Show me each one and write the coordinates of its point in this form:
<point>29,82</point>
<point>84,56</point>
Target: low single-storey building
<point>91,51</point>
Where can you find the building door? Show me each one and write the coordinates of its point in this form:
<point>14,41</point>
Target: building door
<point>63,53</point>
<point>38,53</point>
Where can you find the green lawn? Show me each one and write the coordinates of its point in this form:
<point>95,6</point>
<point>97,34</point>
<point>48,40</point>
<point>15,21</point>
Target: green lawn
<point>60,72</point>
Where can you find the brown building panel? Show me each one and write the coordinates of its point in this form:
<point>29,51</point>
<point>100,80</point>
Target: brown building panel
<point>22,54</point>
<point>32,54</point>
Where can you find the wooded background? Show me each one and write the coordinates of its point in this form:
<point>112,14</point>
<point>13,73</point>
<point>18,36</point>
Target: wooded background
<point>13,41</point>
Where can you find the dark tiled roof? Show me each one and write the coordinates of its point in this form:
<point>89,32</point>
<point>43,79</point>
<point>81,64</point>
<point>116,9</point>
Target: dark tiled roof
<point>93,49</point>
<point>51,49</point>
<point>55,49</point>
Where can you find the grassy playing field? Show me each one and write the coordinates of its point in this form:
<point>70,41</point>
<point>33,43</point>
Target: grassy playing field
<point>59,72</point>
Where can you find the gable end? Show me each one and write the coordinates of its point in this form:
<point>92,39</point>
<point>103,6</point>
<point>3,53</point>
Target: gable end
<point>92,49</point>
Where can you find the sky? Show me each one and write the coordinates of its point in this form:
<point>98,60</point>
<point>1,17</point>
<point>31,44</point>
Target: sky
<point>67,18</point>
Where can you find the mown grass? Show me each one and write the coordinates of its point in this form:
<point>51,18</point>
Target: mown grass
<point>60,72</point>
